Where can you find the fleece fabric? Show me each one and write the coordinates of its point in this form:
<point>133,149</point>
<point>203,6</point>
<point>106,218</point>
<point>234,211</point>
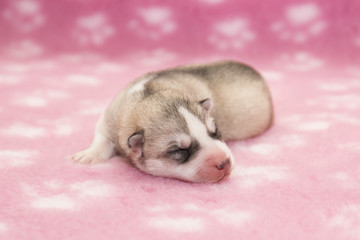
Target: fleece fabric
<point>61,63</point>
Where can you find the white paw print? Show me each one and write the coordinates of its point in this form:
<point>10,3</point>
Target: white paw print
<point>3,227</point>
<point>337,102</point>
<point>193,217</point>
<point>357,41</point>
<point>252,177</point>
<point>300,62</point>
<point>24,49</point>
<point>38,98</point>
<point>93,29</point>
<point>153,22</point>
<point>302,21</point>
<point>212,2</point>
<point>55,194</point>
<point>17,158</point>
<point>154,57</point>
<point>347,219</point>
<point>231,34</point>
<point>23,130</point>
<point>24,15</point>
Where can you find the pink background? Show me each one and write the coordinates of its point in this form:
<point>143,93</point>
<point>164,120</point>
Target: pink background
<point>61,63</point>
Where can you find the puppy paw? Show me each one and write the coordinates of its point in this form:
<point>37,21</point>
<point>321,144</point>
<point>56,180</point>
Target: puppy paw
<point>87,156</point>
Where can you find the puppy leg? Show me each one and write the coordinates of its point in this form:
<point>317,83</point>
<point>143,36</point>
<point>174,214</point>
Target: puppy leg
<point>101,149</point>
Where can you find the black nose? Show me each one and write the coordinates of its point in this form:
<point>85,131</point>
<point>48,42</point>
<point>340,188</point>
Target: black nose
<point>223,165</point>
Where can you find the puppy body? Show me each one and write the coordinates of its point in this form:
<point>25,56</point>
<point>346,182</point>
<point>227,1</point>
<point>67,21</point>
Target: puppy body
<point>168,123</point>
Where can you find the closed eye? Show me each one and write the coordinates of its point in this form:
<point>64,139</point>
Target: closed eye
<point>179,154</point>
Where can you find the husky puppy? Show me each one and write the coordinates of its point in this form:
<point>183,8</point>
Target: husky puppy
<point>174,123</point>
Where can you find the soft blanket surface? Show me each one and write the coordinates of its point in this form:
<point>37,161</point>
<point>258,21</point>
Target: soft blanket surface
<point>62,62</point>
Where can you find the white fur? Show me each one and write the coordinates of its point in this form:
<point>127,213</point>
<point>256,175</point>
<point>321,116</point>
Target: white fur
<point>197,128</point>
<point>123,116</point>
<point>226,149</point>
<point>163,168</point>
<point>101,147</point>
<point>183,140</point>
<point>139,86</point>
<point>188,171</point>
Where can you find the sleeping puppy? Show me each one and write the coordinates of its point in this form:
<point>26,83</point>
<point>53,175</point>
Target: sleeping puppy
<point>174,123</point>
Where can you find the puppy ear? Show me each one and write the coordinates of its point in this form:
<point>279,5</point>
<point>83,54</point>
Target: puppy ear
<point>206,104</point>
<point>136,143</point>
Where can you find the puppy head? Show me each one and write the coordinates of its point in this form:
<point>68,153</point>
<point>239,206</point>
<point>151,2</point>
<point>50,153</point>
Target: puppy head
<point>178,138</point>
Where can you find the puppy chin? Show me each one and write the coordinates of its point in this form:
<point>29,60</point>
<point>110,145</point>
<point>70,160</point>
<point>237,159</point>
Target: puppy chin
<point>203,176</point>
<point>202,173</point>
<point>201,179</point>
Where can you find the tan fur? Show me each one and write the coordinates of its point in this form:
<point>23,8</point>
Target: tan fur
<point>242,101</point>
<point>149,108</point>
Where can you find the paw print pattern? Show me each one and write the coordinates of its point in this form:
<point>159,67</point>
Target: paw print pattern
<point>155,57</point>
<point>55,194</point>
<point>61,63</point>
<point>212,2</point>
<point>231,34</point>
<point>357,41</point>
<point>24,15</point>
<point>24,49</point>
<point>347,219</point>
<point>300,62</point>
<point>16,158</point>
<point>93,29</point>
<point>153,23</point>
<point>302,21</point>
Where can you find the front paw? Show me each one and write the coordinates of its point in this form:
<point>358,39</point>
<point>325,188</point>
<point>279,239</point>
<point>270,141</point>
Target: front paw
<point>87,156</point>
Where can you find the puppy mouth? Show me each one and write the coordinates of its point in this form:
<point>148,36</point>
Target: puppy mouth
<point>224,177</point>
<point>212,174</point>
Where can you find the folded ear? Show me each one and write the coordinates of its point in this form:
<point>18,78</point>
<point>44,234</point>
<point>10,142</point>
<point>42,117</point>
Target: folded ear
<point>136,143</point>
<point>206,104</point>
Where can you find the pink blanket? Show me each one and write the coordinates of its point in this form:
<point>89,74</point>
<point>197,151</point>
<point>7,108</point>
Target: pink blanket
<point>62,62</point>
